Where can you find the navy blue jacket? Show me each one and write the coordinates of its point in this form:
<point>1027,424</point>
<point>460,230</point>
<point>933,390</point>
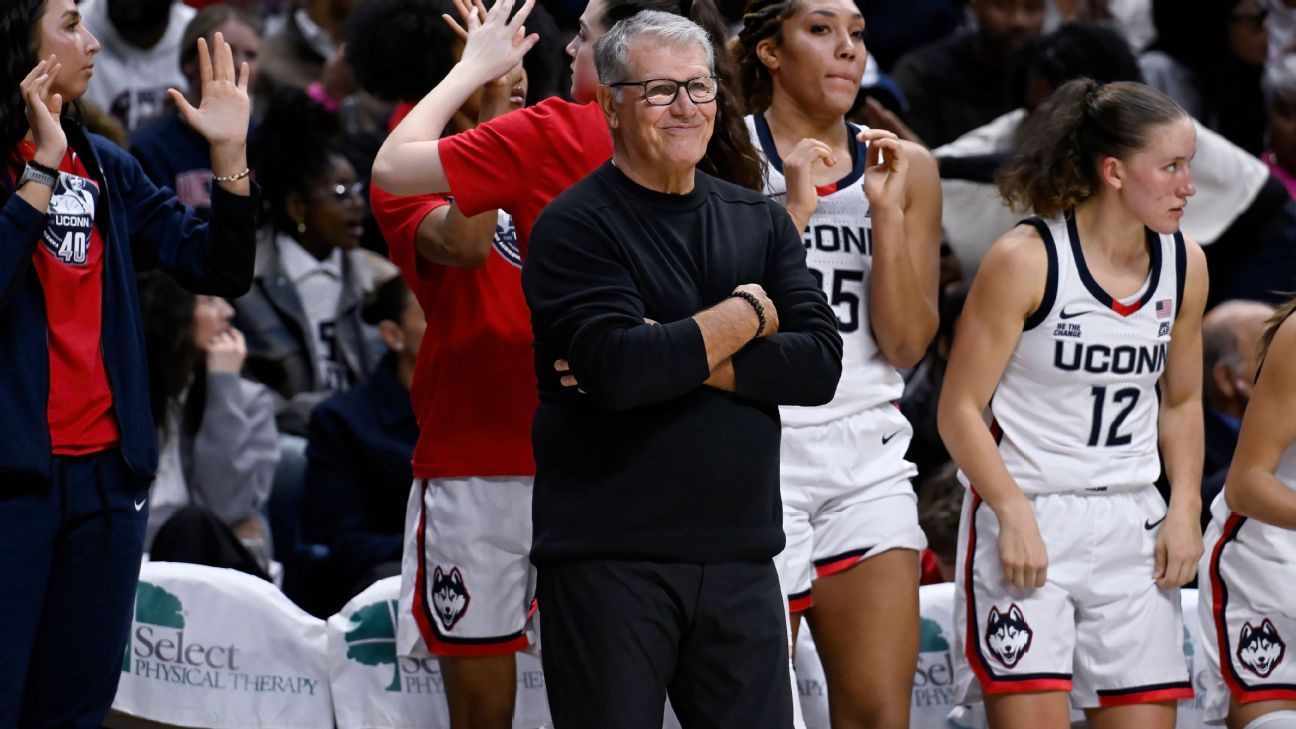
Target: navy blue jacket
<point>143,227</point>
<point>358,473</point>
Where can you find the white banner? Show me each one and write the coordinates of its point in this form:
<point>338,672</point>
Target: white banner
<point>374,687</point>
<point>221,649</point>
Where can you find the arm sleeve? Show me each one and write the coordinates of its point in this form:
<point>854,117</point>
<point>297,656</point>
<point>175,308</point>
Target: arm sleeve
<point>207,257</point>
<point>487,166</point>
<point>399,219</point>
<point>236,448</point>
<point>801,364</point>
<point>20,228</point>
<point>334,509</point>
<point>585,307</point>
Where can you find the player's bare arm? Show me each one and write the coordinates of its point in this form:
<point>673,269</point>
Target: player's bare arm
<point>1268,430</point>
<point>409,162</point>
<point>905,199</point>
<point>1179,542</point>
<point>1008,287</point>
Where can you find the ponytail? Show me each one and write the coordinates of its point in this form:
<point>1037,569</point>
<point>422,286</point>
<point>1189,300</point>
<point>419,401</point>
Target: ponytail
<point>1081,124</point>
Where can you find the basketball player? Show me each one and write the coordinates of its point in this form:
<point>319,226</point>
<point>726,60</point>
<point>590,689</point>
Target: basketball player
<point>1085,326</point>
<point>869,206</point>
<point>1246,609</point>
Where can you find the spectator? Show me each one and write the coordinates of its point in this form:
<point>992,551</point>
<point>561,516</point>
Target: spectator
<point>894,28</point>
<point>216,431</point>
<point>940,504</point>
<point>1280,121</point>
<point>172,154</point>
<point>1230,343</point>
<point>923,388</point>
<point>1210,60</point>
<point>959,83</point>
<point>657,511</point>
<point>77,218</point>
<point>302,319</point>
<point>358,470</point>
<point>141,42</point>
<point>295,55</point>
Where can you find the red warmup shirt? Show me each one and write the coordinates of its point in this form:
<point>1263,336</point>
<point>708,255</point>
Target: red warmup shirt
<point>474,390</point>
<point>69,262</point>
<point>522,160</point>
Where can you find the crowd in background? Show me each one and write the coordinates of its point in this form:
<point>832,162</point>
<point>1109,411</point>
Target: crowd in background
<point>284,416</point>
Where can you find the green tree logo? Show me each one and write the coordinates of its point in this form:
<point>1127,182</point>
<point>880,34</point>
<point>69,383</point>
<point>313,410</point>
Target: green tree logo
<point>931,638</point>
<point>371,640</point>
<point>154,606</point>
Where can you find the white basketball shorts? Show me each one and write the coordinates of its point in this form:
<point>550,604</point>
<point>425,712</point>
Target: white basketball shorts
<point>467,585</point>
<point>1246,589</point>
<point>1099,627</point>
<point>846,497</point>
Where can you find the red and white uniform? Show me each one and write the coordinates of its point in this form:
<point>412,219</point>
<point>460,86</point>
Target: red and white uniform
<point>1248,616</point>
<point>467,582</point>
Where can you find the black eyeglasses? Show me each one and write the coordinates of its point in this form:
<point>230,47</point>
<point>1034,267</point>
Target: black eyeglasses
<point>1256,19</point>
<point>662,91</point>
<point>343,193</point>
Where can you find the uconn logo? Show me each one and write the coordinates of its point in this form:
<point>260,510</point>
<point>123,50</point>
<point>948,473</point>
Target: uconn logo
<point>1099,359</point>
<point>839,238</point>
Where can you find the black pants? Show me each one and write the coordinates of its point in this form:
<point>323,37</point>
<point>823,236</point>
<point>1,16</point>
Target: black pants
<point>618,637</point>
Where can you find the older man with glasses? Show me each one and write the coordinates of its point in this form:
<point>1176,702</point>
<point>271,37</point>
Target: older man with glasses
<point>673,314</point>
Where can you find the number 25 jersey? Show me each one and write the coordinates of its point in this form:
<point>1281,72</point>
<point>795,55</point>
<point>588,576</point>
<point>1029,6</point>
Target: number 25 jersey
<point>839,252</point>
<point>1077,405</point>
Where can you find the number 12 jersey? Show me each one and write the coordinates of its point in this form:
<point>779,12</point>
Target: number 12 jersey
<point>1076,408</point>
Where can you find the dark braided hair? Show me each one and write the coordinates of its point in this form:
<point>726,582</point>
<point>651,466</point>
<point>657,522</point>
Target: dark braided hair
<point>19,39</point>
<point>763,19</point>
<point>730,156</point>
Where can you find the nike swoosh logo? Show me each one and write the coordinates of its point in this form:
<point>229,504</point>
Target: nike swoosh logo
<point>140,504</point>
<point>1071,315</point>
<point>887,438</point>
<point>1150,525</point>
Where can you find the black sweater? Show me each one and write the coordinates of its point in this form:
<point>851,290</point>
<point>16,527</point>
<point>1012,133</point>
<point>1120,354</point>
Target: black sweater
<point>648,463</point>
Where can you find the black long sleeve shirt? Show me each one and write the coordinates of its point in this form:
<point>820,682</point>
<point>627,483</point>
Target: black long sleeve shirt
<point>649,463</point>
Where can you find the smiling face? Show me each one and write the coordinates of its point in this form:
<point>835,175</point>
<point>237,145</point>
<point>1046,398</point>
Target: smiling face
<point>664,139</point>
<point>62,34</point>
<point>585,83</point>
<point>1155,182</point>
<point>821,57</point>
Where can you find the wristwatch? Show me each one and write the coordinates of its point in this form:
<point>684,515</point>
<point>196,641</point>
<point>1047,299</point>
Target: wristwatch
<point>38,173</point>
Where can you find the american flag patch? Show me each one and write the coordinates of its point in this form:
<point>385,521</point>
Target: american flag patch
<point>1163,309</point>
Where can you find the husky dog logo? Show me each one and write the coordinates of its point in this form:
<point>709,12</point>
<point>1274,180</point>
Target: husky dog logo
<point>1007,635</point>
<point>1260,649</point>
<point>449,596</point>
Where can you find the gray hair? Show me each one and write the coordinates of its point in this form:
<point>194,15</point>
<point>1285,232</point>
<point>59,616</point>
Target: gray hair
<point>1279,82</point>
<point>612,51</point>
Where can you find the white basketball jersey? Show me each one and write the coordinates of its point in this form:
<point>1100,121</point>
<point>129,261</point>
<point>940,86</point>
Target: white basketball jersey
<point>1077,405</point>
<point>839,252</point>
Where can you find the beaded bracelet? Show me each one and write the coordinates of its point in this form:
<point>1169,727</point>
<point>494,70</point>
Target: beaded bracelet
<point>755,304</point>
<point>233,178</point>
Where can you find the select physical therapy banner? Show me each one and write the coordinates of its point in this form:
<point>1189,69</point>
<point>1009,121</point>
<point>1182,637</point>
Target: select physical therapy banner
<point>218,648</point>
<point>374,687</point>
